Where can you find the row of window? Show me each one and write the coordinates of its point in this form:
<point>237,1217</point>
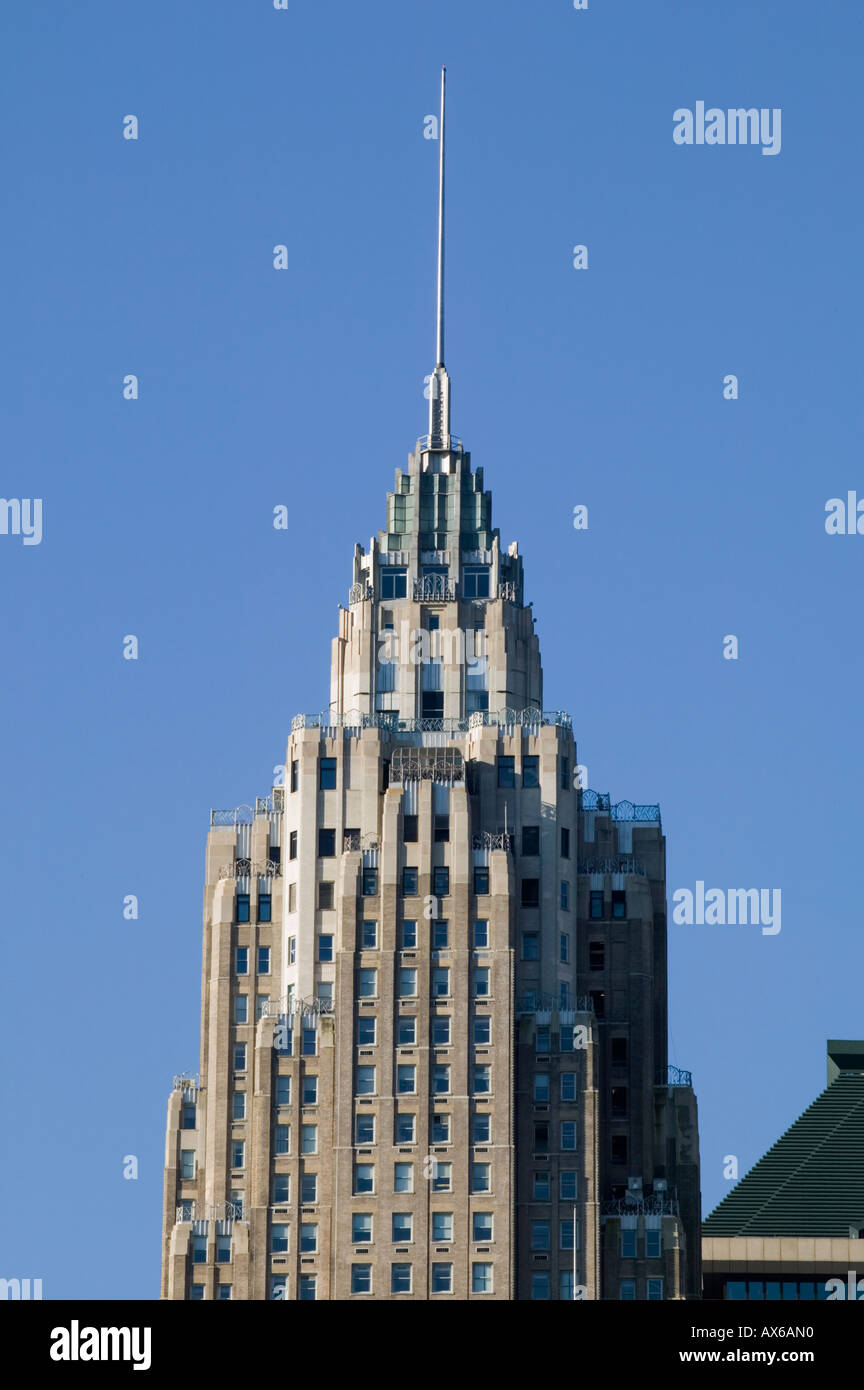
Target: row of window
<point>653,1244</point>
<point>406,1030</point>
<point>597,904</point>
<point>367,982</point>
<point>653,1290</point>
<point>401,1280</point>
<point>529,892</point>
<point>506,772</point>
<point>242,907</point>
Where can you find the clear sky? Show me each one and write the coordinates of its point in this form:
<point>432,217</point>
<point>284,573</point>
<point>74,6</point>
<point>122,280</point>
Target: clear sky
<point>303,387</point>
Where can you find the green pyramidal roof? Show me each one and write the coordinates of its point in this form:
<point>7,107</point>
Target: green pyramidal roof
<point>811,1183</point>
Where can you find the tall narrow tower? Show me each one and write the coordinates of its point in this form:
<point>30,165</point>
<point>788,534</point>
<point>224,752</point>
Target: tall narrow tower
<point>433,1052</point>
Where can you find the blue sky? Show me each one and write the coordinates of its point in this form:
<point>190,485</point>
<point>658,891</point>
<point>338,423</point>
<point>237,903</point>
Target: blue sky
<point>304,388</point>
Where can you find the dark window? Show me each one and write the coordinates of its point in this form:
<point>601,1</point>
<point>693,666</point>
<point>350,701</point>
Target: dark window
<point>597,903</point>
<point>264,901</point>
<point>530,892</point>
<point>565,844</point>
<point>295,775</point>
<point>325,897</point>
<point>619,903</point>
<point>596,955</point>
<point>188,1116</point>
<point>506,772</point>
<point>619,1148</point>
<point>475,581</point>
<point>432,704</point>
<point>325,947</point>
<point>565,774</point>
<point>409,829</point>
<point>292,845</point>
<point>394,582</point>
<point>619,1102</point>
<point>565,895</point>
<point>309,1040</point>
<point>598,999</point>
<point>441,881</point>
<point>327,774</point>
<point>619,1050</point>
<point>541,1139</point>
<point>530,839</point>
<point>326,844</point>
<point>442,829</point>
<point>530,945</point>
<point>242,910</point>
<point>433,622</point>
<point>531,772</point>
<point>409,935</point>
<point>365,1032</point>
<point>274,854</point>
<point>440,935</point>
<point>481,880</point>
<point>409,881</point>
<point>370,883</point>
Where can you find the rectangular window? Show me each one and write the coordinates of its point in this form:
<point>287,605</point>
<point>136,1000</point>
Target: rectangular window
<point>406,1080</point>
<point>241,911</point>
<point>188,1115</point>
<point>292,950</point>
<point>196,1293</point>
<point>565,895</point>
<point>567,1184</point>
<point>441,1031</point>
<point>481,1278</point>
<point>238,1153</point>
<point>403,1227</point>
<point>295,775</point>
<point>543,1039</point>
<point>440,935</point>
<point>394,582</point>
<point>263,960</point>
<point>482,1029</point>
<point>506,772</point>
<point>596,910</point>
<point>564,947</point>
<point>568,1134</point>
<point>361,1228</point>
<point>540,1239</point>
<point>327,775</point>
<point>239,1056</point>
<point>530,945</point>
<point>364,1129</point>
<point>440,981</point>
<point>409,830</point>
<point>619,1148</point>
<point>309,1139</point>
<point>409,935</point>
<point>199,1251</point>
<point>325,897</point>
<point>441,881</point>
<point>407,982</point>
<point>308,1288</point>
<point>369,936</point>
<point>619,1051</point>
<point>187,1163</point>
<point>223,1250</point>
<point>310,1090</point>
<point>242,960</point>
<point>241,1008</point>
<point>541,1088</point>
<point>283,1139</point>
<point>541,1139</point>
<point>619,1102</point>
<point>475,581</point>
<point>596,955</point>
<point>442,1227</point>
<point>530,771</point>
<point>261,1000</point>
<point>326,843</point>
<point>264,902</point>
<point>223,1293</point>
<point>565,843</point>
<point>283,1089</point>
<point>366,1031</point>
<point>409,881</point>
<point>482,1080</point>
<point>628,1245</point>
<point>442,831</point>
<point>370,883</point>
<point>308,1237</point>
<point>481,880</point>
<point>400,1278</point>
<point>481,1177</point>
<point>568,1085</point>
<point>531,839</point>
<point>598,1001</point>
<point>653,1245</point>
<point>442,1177</point>
<point>367,982</point>
<point>365,1081</point>
<point>364,1178</point>
<point>481,982</point>
<point>238,1106</point>
<point>403,1177</point>
<point>310,1042</point>
<point>405,1129</point>
<point>655,1290</point>
<point>292,897</point>
<point>442,1277</point>
<point>565,774</point>
<point>542,1187</point>
<point>539,1286</point>
<point>361,1278</point>
<point>441,1079</point>
<point>481,1127</point>
<point>481,1227</point>
<point>292,845</point>
<point>481,935</point>
<point>440,1129</point>
<point>279,1234</point>
<point>406,1031</point>
<point>619,903</point>
<point>530,892</point>
<point>566,1235</point>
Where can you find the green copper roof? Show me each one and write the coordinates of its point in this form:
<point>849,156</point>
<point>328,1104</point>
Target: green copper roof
<point>811,1183</point>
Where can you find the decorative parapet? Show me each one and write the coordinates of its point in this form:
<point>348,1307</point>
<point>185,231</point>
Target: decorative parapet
<point>507,590</point>
<point>427,765</point>
<point>355,719</point>
<point>677,1077</point>
<point>622,864</point>
<point>490,839</point>
<point>245,815</point>
<point>434,588</point>
<point>639,1206</point>
<point>245,868</point>
<point>209,1211</point>
<point>621,810</point>
<point>359,593</point>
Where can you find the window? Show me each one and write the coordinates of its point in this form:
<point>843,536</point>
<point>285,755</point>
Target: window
<point>480,1129</point>
<point>568,1134</point>
<point>279,1287</point>
<point>440,1129</point>
<point>407,982</point>
<point>403,1177</point>
<point>482,1029</point>
<point>241,1008</point>
<point>530,772</point>
<point>196,1293</point>
<point>568,1085</point>
<point>310,1090</point>
<point>440,935</point>
<point>279,1235</point>
<point>239,1056</point>
<point>199,1250</point>
<point>567,1185</point>
<point>475,581</point>
<point>283,1089</point>
<point>628,1244</point>
<point>223,1292</point>
<point>442,1177</point>
<point>241,910</point>
<point>481,935</point>
<point>325,992</point>
<point>619,1148</point>
<point>327,775</point>
<point>369,936</point>
<point>441,1031</point>
<point>442,1277</point>
<point>364,1177</point>
<point>531,839</point>
<point>370,883</point>
<point>361,1228</point>
<point>309,1237</point>
<point>619,1102</point>
<point>530,892</point>
<point>238,1153</point>
<point>281,1189</point>
<point>440,981</point>
<point>481,1177</point>
<point>238,1109</point>
<point>655,1290</point>
<point>409,830</point>
<point>406,1031</point>
<point>263,960</point>
<point>308,1288</point>
<point>653,1245</point>
<point>366,1032</point>
<point>325,896</point>
<point>292,845</point>
<point>432,701</point>
<point>565,895</point>
<point>598,1001</point>
<point>361,1278</point>
<point>596,910</point>
<point>283,1139</point>
<point>540,1239</point>
<point>442,830</point>
<point>364,1129</point>
<point>530,945</point>
<point>326,844</point>
<point>394,581</point>
<point>292,950</point>
<point>619,903</point>
<point>295,775</point>
<point>309,1139</point>
<point>366,1080</point>
<point>188,1115</point>
<point>541,1087</point>
<point>187,1163</point>
<point>403,1227</point>
<point>481,1278</point>
<point>566,1039</point>
<point>309,1042</point>
<point>367,982</point>
<point>409,881</point>
<point>441,1079</point>
<point>543,1039</point>
<point>406,1128</point>
<point>565,843</point>
<point>565,774</point>
<point>442,1227</point>
<point>565,1284</point>
<point>564,947</point>
<point>325,947</point>
<point>506,772</point>
<point>292,897</point>
<point>400,1278</point>
<point>541,1139</point>
<point>481,982</point>
<point>542,1191</point>
<point>482,1080</point>
<point>406,1080</point>
<point>409,935</point>
<point>242,960</point>
<point>566,1235</point>
<point>539,1285</point>
<point>264,902</point>
<point>481,880</point>
<point>596,955</point>
<point>482,1227</point>
<point>619,1051</point>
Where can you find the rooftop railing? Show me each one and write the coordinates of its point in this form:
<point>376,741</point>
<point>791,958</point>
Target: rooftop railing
<point>503,718</point>
<point>619,810</point>
<point>677,1077</point>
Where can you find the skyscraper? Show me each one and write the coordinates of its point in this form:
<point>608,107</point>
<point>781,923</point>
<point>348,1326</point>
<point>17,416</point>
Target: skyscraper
<point>433,1056</point>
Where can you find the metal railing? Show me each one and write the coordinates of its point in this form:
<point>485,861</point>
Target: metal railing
<point>434,588</point>
<point>387,720</point>
<point>639,1206</point>
<point>258,868</point>
<point>676,1077</point>
<point>358,592</point>
<point>551,1003</point>
<point>209,1211</point>
<point>490,839</point>
<point>620,810</point>
<point>507,590</point>
<point>426,765</point>
<point>623,864</point>
<point>245,815</point>
<point>438,443</point>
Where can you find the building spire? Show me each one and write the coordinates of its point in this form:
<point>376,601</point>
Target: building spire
<point>439,382</point>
